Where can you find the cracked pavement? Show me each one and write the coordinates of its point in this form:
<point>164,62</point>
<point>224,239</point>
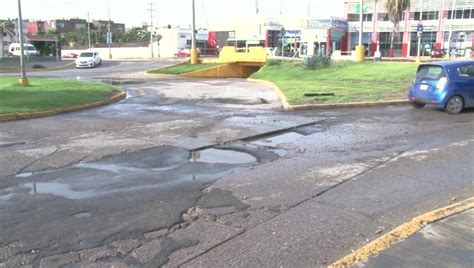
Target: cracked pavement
<point>203,173</point>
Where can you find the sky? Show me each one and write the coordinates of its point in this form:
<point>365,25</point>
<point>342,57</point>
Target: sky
<point>169,12</point>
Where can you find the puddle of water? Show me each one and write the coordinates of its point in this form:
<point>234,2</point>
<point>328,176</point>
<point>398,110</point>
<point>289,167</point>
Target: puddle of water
<point>274,141</point>
<point>107,167</point>
<point>24,175</point>
<point>58,189</point>
<point>220,156</point>
<point>6,197</point>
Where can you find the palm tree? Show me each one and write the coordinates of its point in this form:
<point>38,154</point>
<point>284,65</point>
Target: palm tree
<point>394,9</point>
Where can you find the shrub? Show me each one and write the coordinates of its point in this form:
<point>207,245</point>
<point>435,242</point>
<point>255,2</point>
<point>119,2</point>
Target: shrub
<point>38,66</point>
<point>310,62</point>
<point>318,61</point>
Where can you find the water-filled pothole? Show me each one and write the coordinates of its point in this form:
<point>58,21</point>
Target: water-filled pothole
<point>221,156</point>
<point>274,141</point>
<point>58,189</point>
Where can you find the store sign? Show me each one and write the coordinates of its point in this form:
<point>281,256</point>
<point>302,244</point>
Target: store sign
<point>326,24</point>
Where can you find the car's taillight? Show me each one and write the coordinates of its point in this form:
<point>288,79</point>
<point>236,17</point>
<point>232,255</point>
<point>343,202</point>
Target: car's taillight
<point>442,83</point>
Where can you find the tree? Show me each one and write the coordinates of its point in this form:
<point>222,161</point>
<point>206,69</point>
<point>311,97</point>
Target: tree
<point>395,9</point>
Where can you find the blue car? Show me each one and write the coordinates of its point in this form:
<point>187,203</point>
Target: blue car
<point>447,84</point>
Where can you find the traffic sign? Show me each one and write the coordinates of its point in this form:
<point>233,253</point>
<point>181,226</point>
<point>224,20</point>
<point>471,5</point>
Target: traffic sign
<point>109,37</point>
<point>419,27</point>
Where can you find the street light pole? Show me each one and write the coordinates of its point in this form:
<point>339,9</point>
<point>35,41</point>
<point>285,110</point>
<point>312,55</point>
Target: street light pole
<point>88,31</point>
<point>451,29</point>
<point>419,30</point>
<point>109,34</point>
<point>360,49</point>
<point>194,56</point>
<point>23,79</point>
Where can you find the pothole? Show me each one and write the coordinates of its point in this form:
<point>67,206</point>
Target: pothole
<point>222,156</point>
<point>82,214</point>
<point>274,141</point>
<point>58,189</point>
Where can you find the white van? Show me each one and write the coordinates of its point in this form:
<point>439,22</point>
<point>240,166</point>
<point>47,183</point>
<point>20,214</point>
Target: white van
<point>29,49</point>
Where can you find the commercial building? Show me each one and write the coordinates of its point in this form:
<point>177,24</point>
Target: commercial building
<point>447,24</point>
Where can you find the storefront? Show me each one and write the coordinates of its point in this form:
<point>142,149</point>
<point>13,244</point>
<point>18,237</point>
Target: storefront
<point>323,36</point>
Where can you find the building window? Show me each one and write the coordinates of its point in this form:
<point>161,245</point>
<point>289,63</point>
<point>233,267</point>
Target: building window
<point>352,17</point>
<point>355,17</point>
<point>383,17</point>
<point>427,15</point>
<point>461,14</point>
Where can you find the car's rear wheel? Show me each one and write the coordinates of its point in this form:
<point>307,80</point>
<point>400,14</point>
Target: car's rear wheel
<point>454,105</point>
<point>417,105</point>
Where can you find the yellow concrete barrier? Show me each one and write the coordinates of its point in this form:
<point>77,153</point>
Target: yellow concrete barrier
<point>254,54</point>
<point>227,70</point>
<point>360,53</point>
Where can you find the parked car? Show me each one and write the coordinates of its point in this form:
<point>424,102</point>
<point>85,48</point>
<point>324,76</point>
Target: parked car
<point>448,84</point>
<point>182,53</point>
<point>88,59</point>
<point>70,55</point>
<point>29,49</point>
<point>437,53</point>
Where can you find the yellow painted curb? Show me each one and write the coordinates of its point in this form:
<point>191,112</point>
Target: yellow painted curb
<point>401,233</point>
<point>18,116</point>
<point>349,105</point>
<point>281,96</point>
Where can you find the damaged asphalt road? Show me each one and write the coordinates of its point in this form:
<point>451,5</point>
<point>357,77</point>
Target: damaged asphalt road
<point>202,173</point>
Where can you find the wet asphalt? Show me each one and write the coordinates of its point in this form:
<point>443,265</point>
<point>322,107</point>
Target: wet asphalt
<point>214,173</point>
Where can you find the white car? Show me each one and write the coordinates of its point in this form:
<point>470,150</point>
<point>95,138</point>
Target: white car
<point>88,59</point>
<point>29,49</point>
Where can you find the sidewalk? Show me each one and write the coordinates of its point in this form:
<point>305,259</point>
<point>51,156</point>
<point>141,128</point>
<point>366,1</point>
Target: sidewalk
<point>447,243</point>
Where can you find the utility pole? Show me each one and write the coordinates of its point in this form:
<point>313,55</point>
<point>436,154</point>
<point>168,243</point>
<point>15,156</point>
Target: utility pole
<point>88,31</point>
<point>151,29</point>
<point>309,8</point>
<point>109,33</point>
<point>360,49</point>
<point>194,56</point>
<point>419,33</point>
<point>1,40</point>
<point>23,79</point>
<point>451,29</point>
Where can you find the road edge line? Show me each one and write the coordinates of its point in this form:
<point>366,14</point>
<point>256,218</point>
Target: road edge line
<point>402,232</point>
<point>19,116</point>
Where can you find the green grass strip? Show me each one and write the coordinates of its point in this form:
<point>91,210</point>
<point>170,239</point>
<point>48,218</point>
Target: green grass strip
<point>183,68</point>
<point>49,94</point>
<point>349,81</point>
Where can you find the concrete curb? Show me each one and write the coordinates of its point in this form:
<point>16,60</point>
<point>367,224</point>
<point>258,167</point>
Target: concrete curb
<point>19,116</point>
<point>288,107</point>
<point>281,96</point>
<point>401,233</point>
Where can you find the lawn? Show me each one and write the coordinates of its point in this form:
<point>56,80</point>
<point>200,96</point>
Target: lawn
<point>348,81</point>
<point>182,68</point>
<point>49,94</point>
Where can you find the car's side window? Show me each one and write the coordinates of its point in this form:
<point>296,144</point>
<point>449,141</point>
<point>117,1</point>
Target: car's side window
<point>466,71</point>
